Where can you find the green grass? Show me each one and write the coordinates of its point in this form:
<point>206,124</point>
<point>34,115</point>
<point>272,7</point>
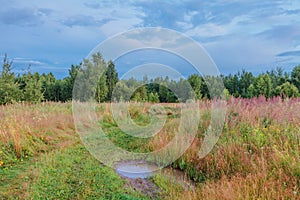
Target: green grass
<point>68,173</point>
<point>254,157</point>
<point>74,174</point>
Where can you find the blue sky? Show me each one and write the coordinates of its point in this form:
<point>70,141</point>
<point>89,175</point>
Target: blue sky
<point>254,35</point>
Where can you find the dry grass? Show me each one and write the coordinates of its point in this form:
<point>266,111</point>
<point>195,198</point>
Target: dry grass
<point>256,157</point>
<point>28,129</point>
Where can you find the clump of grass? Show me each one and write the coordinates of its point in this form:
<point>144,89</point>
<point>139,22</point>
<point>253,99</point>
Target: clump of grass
<point>257,151</point>
<point>26,130</point>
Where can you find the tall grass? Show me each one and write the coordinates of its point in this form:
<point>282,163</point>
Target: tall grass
<point>256,157</point>
<point>26,130</point>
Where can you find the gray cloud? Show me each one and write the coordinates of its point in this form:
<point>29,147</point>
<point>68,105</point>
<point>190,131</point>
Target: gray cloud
<point>163,13</point>
<point>292,12</point>
<point>45,11</point>
<point>84,20</point>
<point>21,16</point>
<point>236,33</point>
<point>289,53</point>
<point>172,14</point>
<point>93,5</point>
<point>283,33</point>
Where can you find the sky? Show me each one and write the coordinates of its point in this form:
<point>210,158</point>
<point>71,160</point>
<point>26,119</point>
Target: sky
<point>50,36</point>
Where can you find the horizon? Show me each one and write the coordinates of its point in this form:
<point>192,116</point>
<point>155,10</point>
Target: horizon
<point>255,36</point>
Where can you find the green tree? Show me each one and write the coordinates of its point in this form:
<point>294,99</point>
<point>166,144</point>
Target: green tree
<point>287,89</point>
<point>295,76</point>
<point>68,83</point>
<point>101,89</point>
<point>9,88</point>
<point>48,82</point>
<point>33,88</point>
<point>140,94</point>
<point>153,97</point>
<point>91,80</point>
<point>277,78</point>
<point>231,83</point>
<point>245,80</point>
<point>251,91</point>
<point>263,85</point>
<point>122,92</point>
<point>111,79</point>
<point>196,83</point>
<point>163,93</point>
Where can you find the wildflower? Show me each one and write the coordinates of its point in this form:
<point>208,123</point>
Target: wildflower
<point>1,163</point>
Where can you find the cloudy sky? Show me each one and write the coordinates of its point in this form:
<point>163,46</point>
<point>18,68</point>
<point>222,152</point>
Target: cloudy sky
<point>49,35</point>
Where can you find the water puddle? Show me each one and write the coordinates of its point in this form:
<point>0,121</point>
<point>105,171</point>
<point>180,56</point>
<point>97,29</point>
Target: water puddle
<point>135,169</point>
<point>141,170</point>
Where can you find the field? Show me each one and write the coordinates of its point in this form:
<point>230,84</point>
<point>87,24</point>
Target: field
<point>256,157</point>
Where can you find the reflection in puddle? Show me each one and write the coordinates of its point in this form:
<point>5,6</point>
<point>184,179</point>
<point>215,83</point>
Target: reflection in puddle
<point>135,169</point>
<point>140,169</point>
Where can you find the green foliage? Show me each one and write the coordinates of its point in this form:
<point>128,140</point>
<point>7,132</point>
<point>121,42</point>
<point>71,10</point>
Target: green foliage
<point>227,94</point>
<point>196,83</point>
<point>33,88</point>
<point>154,98</point>
<point>107,87</point>
<point>245,80</point>
<point>140,94</point>
<point>111,79</point>
<point>101,89</point>
<point>231,82</point>
<point>295,76</point>
<point>251,91</point>
<point>263,85</point>
<point>91,80</point>
<point>9,88</point>
<point>277,78</point>
<point>287,89</point>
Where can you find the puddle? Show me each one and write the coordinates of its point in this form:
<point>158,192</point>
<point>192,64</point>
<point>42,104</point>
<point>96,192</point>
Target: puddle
<point>135,169</point>
<point>139,170</point>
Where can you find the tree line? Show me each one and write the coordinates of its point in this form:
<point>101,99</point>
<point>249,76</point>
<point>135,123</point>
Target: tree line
<point>35,87</point>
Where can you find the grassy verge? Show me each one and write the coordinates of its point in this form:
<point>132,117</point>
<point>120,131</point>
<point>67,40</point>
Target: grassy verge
<point>256,157</point>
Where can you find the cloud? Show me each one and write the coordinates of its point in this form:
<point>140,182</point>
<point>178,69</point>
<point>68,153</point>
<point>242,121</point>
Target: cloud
<point>207,30</point>
<point>101,4</point>
<point>93,5</point>
<point>289,53</point>
<point>45,11</point>
<point>189,15</point>
<point>29,62</point>
<point>237,33</point>
<point>282,34</point>
<point>84,20</point>
<point>292,12</point>
<point>21,16</point>
<point>162,13</point>
<point>119,25</point>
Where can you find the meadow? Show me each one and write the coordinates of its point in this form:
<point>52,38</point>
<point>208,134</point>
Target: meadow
<point>256,157</point>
